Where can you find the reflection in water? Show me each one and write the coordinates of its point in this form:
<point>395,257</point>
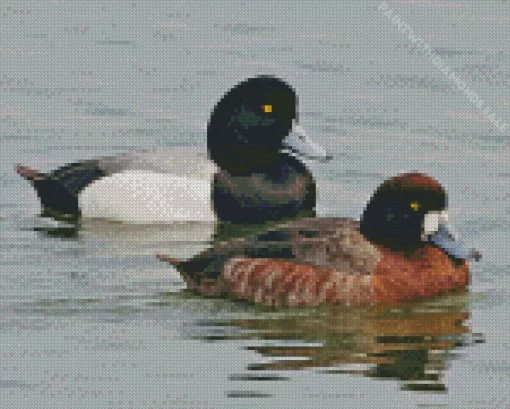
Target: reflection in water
<point>182,240</point>
<point>57,226</point>
<point>170,237</point>
<point>409,342</point>
<point>67,232</point>
<point>227,231</point>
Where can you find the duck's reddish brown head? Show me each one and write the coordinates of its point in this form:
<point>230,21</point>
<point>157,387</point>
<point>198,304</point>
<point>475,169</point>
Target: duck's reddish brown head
<point>394,217</point>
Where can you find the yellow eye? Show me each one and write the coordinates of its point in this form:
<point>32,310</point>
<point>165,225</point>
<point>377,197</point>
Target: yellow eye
<point>415,206</point>
<point>267,108</point>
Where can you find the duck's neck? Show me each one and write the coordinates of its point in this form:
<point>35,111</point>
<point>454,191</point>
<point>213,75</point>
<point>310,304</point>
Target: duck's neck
<point>284,189</point>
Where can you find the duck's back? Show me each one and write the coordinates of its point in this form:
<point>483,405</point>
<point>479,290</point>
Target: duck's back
<point>183,161</point>
<point>320,242</point>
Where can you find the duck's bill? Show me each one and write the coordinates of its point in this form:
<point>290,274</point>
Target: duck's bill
<point>299,144</point>
<point>444,239</point>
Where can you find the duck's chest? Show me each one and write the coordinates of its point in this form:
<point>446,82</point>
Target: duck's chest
<point>263,196</point>
<point>260,187</point>
<point>426,272</point>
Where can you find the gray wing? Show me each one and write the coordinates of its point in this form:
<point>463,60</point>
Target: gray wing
<point>179,161</point>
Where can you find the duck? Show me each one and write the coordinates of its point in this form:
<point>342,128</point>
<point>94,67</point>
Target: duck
<point>251,172</point>
<point>400,250</point>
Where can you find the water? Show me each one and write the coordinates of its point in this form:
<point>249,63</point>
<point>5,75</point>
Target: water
<point>89,317</point>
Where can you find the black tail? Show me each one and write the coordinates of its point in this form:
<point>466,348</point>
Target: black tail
<point>204,265</point>
<point>59,189</point>
<point>28,173</point>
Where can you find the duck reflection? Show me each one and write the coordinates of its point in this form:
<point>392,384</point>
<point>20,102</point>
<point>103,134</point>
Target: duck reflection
<point>410,342</point>
<point>181,239</point>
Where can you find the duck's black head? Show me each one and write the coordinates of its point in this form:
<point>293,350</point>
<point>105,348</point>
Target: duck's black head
<point>395,215</point>
<point>249,124</point>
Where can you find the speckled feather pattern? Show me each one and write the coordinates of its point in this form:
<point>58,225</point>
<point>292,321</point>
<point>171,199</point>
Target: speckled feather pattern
<point>279,283</point>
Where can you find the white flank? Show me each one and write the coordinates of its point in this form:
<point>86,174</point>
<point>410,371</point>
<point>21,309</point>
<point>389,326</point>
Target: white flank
<point>144,197</point>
